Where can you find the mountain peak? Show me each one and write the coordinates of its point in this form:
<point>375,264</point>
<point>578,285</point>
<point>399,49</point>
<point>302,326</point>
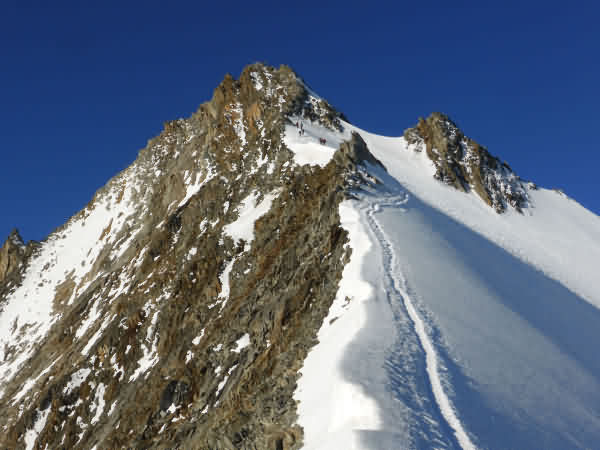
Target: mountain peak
<point>177,308</point>
<point>12,255</point>
<point>466,165</point>
<point>214,235</point>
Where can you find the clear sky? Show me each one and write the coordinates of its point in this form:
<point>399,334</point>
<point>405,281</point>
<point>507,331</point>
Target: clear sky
<point>82,88</point>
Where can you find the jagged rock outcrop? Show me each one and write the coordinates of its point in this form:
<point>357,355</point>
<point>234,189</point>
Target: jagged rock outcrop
<point>12,255</point>
<point>464,164</point>
<point>163,321</point>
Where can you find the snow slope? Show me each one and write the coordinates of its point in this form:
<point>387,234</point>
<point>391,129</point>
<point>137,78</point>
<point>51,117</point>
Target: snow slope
<point>307,148</point>
<point>464,328</point>
<point>68,254</point>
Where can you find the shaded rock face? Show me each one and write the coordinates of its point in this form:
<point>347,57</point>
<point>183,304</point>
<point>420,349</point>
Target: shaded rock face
<point>159,324</point>
<point>14,255</point>
<point>464,164</point>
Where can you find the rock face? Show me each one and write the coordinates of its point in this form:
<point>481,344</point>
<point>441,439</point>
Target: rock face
<point>164,321</point>
<point>464,164</point>
<point>14,255</point>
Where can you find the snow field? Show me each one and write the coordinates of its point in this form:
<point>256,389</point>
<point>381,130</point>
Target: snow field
<point>433,373</point>
<point>503,309</point>
<point>555,234</point>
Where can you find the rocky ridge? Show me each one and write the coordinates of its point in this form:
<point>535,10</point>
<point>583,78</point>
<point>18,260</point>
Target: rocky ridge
<point>165,326</point>
<point>175,310</point>
<point>464,164</point>
<point>12,255</point>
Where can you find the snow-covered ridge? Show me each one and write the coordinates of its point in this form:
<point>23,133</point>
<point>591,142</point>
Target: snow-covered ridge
<point>551,227</point>
<point>104,288</point>
<point>75,257</point>
<point>448,317</point>
<point>440,287</point>
<point>311,142</point>
<point>67,256</point>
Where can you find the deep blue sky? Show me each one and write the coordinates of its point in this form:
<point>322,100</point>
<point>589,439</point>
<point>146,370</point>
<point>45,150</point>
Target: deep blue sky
<point>82,88</point>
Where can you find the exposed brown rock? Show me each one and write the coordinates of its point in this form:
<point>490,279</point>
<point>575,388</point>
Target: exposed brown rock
<point>464,164</point>
<point>144,350</point>
<point>14,259</point>
<point>12,255</point>
<point>154,299</point>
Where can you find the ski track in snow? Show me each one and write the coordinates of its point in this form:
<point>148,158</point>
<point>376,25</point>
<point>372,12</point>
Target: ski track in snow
<point>396,282</point>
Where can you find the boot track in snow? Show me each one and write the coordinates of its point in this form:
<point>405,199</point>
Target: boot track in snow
<point>390,262</point>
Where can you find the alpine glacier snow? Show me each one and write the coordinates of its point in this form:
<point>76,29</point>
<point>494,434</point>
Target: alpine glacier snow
<point>455,326</point>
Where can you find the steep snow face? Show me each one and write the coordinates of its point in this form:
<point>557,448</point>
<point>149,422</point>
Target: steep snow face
<point>67,257</point>
<point>334,408</point>
<point>465,328</point>
<point>555,234</point>
<point>80,257</point>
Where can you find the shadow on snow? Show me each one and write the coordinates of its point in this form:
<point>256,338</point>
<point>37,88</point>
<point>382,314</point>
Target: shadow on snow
<point>527,373</point>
